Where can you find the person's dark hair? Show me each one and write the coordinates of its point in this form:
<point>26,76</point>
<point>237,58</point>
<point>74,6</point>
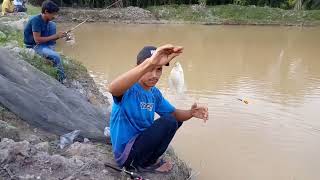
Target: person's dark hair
<point>50,6</point>
<point>145,53</point>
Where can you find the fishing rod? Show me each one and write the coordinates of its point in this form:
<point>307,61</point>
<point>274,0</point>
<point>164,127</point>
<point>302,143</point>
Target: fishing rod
<point>75,27</point>
<point>68,37</point>
<point>72,29</point>
<point>133,175</point>
<point>113,4</point>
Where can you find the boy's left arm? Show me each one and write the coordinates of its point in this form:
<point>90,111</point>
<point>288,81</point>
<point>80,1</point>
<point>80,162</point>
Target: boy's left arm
<point>196,111</point>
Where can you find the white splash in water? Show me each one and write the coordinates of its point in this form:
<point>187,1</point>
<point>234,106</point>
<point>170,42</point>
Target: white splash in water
<point>275,70</point>
<point>176,78</point>
<point>281,56</point>
<point>71,42</point>
<point>70,39</point>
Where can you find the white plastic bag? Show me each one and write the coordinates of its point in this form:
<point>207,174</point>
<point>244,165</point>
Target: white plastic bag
<point>107,131</point>
<point>67,139</point>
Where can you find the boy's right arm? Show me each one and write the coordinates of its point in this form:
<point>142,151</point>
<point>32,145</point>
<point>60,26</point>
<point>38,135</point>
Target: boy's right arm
<point>122,83</point>
<point>38,39</point>
<point>162,56</point>
<point>36,29</point>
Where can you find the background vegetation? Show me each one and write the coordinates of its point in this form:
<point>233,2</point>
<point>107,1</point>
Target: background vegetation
<point>283,4</point>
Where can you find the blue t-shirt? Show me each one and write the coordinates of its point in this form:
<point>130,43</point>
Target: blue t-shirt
<point>35,24</point>
<point>133,114</point>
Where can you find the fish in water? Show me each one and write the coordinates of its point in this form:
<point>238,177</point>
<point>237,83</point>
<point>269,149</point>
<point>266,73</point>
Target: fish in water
<point>176,78</point>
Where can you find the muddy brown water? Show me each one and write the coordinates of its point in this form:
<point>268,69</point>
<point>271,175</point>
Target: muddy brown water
<point>277,69</point>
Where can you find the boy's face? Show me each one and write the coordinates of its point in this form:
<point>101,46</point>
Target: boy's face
<point>50,16</point>
<point>151,78</point>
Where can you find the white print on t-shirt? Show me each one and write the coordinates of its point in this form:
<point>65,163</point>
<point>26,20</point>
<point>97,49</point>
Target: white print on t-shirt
<point>148,106</point>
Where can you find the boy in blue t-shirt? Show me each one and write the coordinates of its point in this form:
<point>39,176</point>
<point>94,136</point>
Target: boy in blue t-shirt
<point>137,140</point>
<point>40,34</point>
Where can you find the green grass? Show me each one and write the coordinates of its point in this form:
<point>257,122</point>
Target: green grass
<point>11,35</point>
<point>33,10</point>
<point>37,61</point>
<point>40,63</point>
<point>73,69</point>
<point>235,14</point>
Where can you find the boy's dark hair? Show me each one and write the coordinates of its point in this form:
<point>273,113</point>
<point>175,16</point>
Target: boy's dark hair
<point>50,6</point>
<point>145,53</point>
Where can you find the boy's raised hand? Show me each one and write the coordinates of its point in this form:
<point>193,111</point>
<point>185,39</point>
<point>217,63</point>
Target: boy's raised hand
<point>164,54</point>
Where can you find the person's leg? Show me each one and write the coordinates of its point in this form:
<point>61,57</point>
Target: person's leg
<point>169,121</point>
<point>153,142</point>
<point>24,7</point>
<point>53,56</point>
<point>20,8</point>
<point>16,8</point>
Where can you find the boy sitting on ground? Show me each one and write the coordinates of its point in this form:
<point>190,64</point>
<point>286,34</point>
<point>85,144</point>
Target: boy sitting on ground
<point>40,34</point>
<point>137,140</point>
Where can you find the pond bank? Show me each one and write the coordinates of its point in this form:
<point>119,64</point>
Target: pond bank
<point>194,14</point>
<point>29,152</point>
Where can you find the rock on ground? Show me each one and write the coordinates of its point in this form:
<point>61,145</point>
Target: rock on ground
<point>22,160</point>
<point>46,103</point>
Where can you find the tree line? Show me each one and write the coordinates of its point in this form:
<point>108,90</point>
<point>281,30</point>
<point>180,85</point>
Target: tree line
<point>284,4</point>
